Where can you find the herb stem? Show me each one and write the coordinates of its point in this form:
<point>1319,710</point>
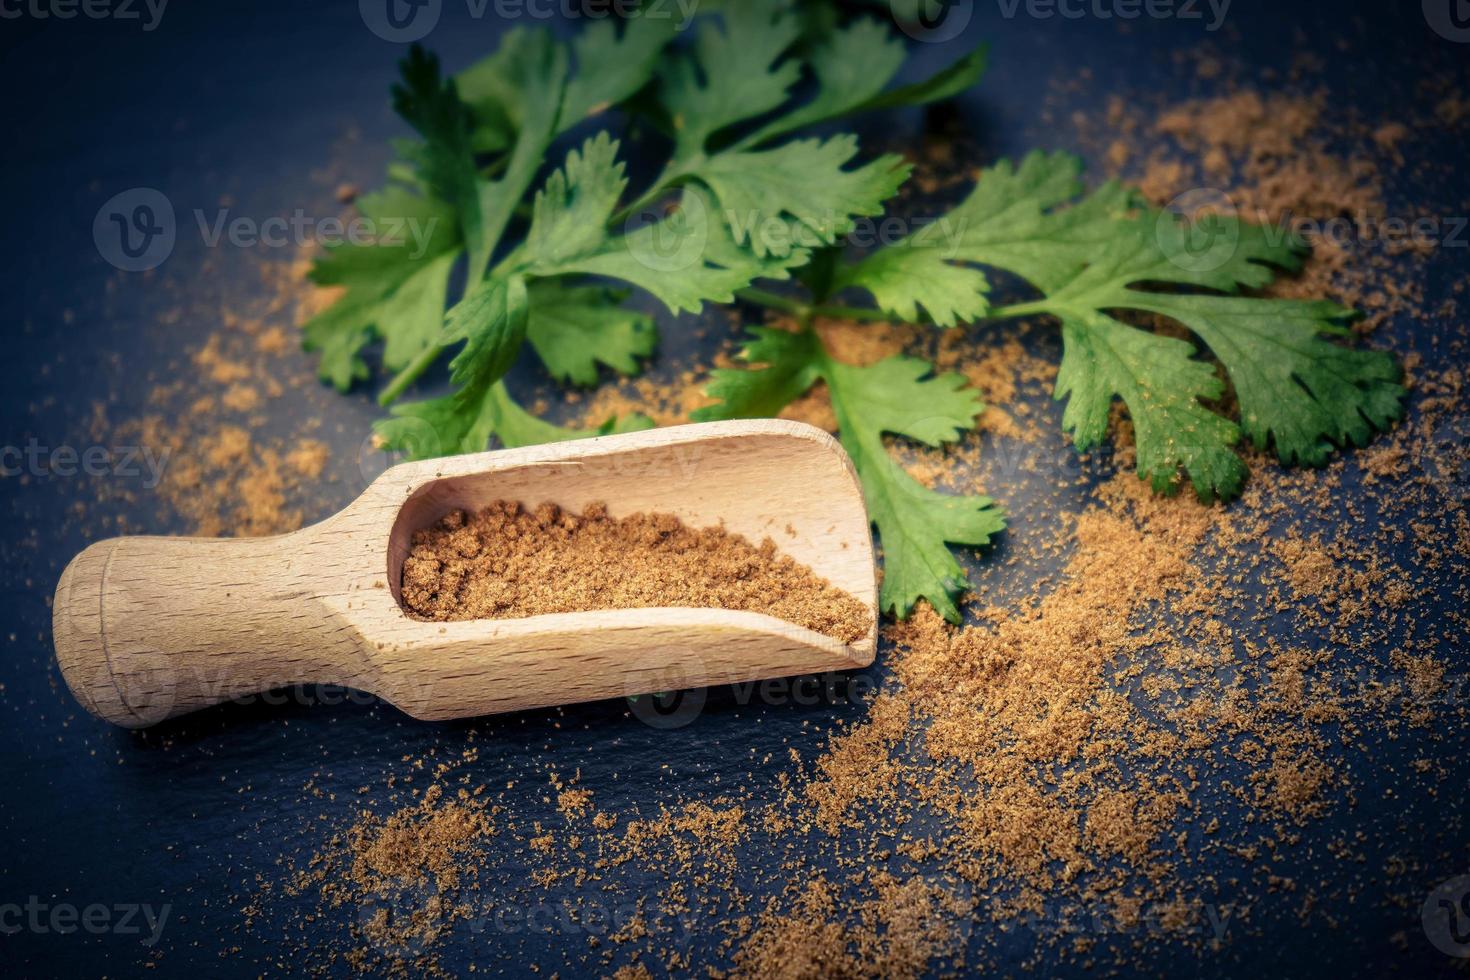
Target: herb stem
<point>761,297</point>
<point>1019,309</point>
<point>838,312</point>
<point>409,374</point>
<point>665,180</point>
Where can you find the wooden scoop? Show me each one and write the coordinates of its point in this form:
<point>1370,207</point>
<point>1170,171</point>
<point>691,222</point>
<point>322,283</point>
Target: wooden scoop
<point>147,628</point>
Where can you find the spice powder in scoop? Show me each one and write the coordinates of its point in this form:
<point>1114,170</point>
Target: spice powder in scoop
<point>507,563</point>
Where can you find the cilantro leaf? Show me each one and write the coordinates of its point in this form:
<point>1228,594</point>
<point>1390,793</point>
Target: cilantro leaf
<point>437,427</point>
<point>516,427</point>
<point>573,329</point>
<point>902,279</point>
<point>398,290</point>
<point>445,160</point>
<point>412,316</point>
<point>685,259</point>
<point>890,397</point>
<point>491,320</point>
<point>796,195</point>
<point>540,76</point>
<point>756,186</point>
<point>852,67</point>
<point>394,286</point>
<point>747,69</point>
<point>612,66</point>
<point>943,84</point>
<point>571,212</point>
<point>914,522</point>
<point>1110,252</point>
<point>1005,221</point>
<point>793,363</point>
<point>732,74</point>
<point>338,334</point>
<point>1296,390</point>
<point>1162,385</point>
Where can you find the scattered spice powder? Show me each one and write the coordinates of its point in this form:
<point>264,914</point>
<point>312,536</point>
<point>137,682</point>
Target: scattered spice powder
<point>402,874</point>
<point>224,469</point>
<point>506,562</point>
<point>1144,733</point>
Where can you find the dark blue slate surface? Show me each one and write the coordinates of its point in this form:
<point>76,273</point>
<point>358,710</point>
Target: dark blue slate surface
<point>241,100</point>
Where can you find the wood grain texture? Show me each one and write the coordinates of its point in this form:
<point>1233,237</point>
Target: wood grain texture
<point>147,628</point>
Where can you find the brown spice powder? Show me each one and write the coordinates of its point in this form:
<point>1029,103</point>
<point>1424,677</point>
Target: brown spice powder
<point>226,470</point>
<point>1082,744</point>
<point>506,563</point>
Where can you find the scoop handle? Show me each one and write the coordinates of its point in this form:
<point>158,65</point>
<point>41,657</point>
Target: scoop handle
<point>147,628</point>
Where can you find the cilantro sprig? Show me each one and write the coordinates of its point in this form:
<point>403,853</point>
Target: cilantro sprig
<point>551,259</point>
<point>1106,256</point>
<point>896,396</point>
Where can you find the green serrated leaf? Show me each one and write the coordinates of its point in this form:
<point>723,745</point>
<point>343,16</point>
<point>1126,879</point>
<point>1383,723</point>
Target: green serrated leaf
<point>903,280</point>
<point>493,89</point>
<point>338,334</point>
<point>574,329</point>
<point>408,230</point>
<point>570,214</point>
<point>445,161</point>
<point>944,84</point>
<point>1296,390</point>
<point>895,397</point>
<point>805,182</point>
<point>1162,385</point>
<point>735,72</point>
<point>611,66</point>
<point>416,240</point>
<point>411,318</point>
<point>516,427</point>
<point>1111,252</point>
<point>851,66</point>
<point>794,362</point>
<point>491,320</point>
<point>687,258</point>
<point>460,423</point>
<point>914,523</point>
<point>540,75</point>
